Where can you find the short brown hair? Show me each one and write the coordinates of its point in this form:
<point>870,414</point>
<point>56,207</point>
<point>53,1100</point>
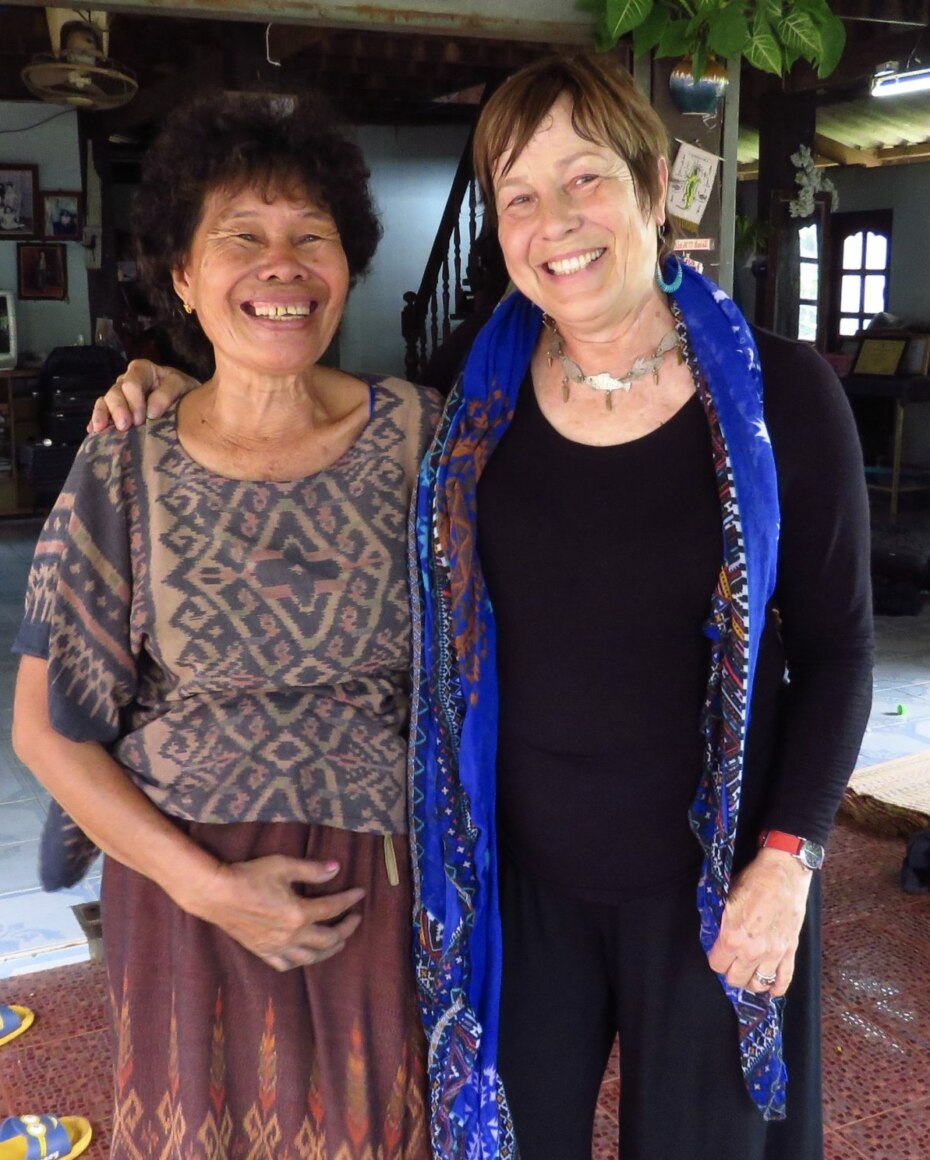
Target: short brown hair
<point>607,109</point>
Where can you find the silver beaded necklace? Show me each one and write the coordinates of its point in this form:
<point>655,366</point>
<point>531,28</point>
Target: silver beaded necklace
<point>608,383</point>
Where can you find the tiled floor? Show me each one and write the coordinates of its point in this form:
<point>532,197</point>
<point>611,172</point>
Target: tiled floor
<point>876,954</point>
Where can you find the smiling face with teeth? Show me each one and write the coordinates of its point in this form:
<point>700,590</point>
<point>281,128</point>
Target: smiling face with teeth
<point>574,237</point>
<point>268,278</point>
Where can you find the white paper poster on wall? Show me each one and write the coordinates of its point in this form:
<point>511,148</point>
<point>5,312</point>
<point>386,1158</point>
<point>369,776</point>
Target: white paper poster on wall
<point>691,182</point>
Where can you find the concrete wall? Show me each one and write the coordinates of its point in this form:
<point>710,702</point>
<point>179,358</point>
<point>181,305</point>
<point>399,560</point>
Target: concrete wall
<point>45,135</point>
<point>904,189</point>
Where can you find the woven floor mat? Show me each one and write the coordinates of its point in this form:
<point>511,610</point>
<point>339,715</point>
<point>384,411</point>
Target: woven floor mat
<point>892,798</point>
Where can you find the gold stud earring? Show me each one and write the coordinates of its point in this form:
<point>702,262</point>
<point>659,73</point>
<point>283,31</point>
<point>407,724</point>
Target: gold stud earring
<point>188,309</point>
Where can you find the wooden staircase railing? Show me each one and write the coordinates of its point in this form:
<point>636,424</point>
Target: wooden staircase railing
<point>446,292</point>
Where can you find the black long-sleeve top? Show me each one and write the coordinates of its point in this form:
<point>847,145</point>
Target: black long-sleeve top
<point>600,563</point>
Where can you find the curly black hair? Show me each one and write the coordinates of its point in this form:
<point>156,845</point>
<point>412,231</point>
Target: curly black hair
<point>235,141</point>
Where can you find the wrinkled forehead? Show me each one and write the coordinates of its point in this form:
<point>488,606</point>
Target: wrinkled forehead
<point>560,128</point>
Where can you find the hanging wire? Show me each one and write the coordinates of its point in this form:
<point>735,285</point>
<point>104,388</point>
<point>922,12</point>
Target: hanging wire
<point>276,63</point>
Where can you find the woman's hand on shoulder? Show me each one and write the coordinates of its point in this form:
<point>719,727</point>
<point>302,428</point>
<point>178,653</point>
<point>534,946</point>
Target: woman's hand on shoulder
<point>143,391</point>
<point>256,903</point>
<point>761,924</point>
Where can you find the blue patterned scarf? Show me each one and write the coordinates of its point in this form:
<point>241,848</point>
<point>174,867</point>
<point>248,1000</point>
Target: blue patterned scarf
<point>455,708</point>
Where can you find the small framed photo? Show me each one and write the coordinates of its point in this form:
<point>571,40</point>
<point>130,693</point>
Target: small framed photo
<point>43,270</point>
<point>879,356</point>
<point>916,358</point>
<point>63,215</point>
<point>19,200</point>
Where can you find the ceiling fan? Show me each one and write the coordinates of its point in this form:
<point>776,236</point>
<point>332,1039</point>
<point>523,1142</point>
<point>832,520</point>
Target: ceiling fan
<point>77,71</point>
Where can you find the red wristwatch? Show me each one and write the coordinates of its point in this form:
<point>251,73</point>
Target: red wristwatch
<point>809,854</point>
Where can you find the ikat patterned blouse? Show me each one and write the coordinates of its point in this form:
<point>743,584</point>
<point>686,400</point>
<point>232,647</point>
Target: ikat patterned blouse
<point>242,648</point>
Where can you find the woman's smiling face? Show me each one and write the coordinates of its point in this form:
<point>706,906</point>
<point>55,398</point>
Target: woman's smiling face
<point>268,278</point>
<point>574,237</point>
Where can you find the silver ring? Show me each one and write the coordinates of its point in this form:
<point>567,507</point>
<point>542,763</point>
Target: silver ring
<point>765,980</point>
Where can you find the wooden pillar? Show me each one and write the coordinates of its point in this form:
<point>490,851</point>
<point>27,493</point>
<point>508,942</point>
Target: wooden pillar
<point>786,121</point>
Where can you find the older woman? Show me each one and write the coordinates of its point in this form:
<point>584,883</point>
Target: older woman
<point>214,678</point>
<point>636,516</point>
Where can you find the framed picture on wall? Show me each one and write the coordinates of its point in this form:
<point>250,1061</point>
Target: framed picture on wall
<point>879,356</point>
<point>62,213</point>
<point>19,200</point>
<point>42,270</point>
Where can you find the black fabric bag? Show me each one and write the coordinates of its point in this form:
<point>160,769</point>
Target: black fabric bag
<point>915,872</point>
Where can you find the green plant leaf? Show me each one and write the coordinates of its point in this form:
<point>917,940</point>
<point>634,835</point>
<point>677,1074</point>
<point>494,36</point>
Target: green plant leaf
<point>674,41</point>
<point>622,16</point>
<point>833,33</point>
<point>818,9</point>
<point>798,31</point>
<point>728,32</point>
<point>697,24</point>
<point>648,34</point>
<point>762,49</point>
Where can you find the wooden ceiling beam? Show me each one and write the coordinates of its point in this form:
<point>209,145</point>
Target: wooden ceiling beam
<point>911,12</point>
<point>843,154</point>
<point>897,154</point>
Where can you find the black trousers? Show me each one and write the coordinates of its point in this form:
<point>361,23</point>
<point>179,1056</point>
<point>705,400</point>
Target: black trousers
<point>576,973</point>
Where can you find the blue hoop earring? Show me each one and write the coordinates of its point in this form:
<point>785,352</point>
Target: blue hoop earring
<point>669,287</point>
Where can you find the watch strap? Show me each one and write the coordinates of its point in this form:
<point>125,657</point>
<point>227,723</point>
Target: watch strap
<point>808,853</point>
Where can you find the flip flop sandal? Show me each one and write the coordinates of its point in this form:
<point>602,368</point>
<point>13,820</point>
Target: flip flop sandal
<point>44,1137</point>
<point>14,1021</point>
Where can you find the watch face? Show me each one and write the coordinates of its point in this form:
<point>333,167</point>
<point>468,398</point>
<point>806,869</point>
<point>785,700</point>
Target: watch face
<point>811,854</point>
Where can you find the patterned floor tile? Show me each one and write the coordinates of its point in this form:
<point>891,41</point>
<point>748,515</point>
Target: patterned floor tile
<point>900,1134</point>
<point>862,875</point>
<point>876,971</point>
<point>62,1063</point>
<point>72,1078</point>
<point>867,1068</point>
<point>608,1102</point>
<point>612,1071</point>
<point>836,1148</point>
<point>67,1001</point>
<point>604,1145</point>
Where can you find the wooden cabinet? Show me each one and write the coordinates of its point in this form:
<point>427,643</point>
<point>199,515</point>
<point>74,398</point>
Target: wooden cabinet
<point>19,429</point>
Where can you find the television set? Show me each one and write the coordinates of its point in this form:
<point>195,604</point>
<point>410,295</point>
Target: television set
<point>8,347</point>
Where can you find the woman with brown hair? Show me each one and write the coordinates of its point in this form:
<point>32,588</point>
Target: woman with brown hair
<point>636,518</point>
<point>641,675</point>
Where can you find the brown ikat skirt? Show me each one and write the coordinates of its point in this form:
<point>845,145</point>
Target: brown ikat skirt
<point>219,1057</point>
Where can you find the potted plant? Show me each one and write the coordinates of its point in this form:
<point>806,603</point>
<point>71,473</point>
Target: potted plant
<point>770,34</point>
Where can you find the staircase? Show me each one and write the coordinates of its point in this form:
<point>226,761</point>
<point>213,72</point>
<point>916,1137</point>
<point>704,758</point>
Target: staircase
<point>463,280</point>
